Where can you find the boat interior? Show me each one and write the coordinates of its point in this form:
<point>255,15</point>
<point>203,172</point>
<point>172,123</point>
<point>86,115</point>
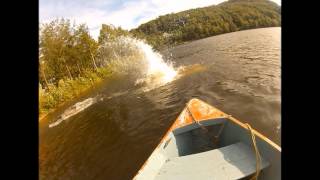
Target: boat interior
<point>214,149</point>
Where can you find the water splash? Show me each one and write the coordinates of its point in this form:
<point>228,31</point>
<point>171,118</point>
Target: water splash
<point>157,68</point>
<point>141,60</point>
<point>134,57</point>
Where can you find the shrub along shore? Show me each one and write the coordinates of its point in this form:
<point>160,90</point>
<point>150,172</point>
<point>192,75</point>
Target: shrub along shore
<point>56,95</point>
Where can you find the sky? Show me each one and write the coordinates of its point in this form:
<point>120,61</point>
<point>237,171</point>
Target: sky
<point>126,14</point>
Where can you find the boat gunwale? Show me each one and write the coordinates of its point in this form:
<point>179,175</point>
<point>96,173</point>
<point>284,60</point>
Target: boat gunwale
<point>171,128</point>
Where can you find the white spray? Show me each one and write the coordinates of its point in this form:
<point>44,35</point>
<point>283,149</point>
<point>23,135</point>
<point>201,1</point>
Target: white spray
<point>155,71</point>
<point>156,65</point>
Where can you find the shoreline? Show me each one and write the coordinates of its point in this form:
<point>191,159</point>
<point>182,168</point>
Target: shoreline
<point>165,47</point>
<point>82,92</point>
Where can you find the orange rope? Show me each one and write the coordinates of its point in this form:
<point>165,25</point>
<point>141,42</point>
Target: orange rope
<point>258,157</point>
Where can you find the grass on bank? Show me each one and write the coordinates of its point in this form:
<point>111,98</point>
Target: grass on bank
<point>67,89</point>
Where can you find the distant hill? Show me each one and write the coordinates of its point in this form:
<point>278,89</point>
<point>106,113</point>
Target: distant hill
<point>229,16</point>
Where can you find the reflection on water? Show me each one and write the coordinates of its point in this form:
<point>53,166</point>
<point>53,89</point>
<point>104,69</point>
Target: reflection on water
<point>73,110</point>
<point>238,73</point>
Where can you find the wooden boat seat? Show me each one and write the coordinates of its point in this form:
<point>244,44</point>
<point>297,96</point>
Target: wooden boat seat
<point>235,161</point>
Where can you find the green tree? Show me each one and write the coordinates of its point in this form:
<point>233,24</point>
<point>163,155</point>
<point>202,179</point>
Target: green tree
<point>65,51</point>
<point>110,33</point>
<point>55,42</point>
<point>85,49</point>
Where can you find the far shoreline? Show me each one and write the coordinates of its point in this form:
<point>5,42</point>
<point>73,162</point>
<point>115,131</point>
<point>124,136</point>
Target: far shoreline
<point>186,42</point>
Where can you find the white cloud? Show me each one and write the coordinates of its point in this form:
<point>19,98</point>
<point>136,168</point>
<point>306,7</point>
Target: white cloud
<point>128,14</point>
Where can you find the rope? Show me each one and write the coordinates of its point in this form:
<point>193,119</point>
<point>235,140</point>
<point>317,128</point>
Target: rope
<point>258,157</point>
<point>219,133</point>
<point>216,137</point>
<point>253,138</point>
<point>192,117</point>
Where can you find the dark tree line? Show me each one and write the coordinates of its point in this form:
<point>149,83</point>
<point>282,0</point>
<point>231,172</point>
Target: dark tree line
<point>230,16</point>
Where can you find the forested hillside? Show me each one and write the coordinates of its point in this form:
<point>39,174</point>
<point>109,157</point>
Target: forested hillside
<point>230,16</point>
